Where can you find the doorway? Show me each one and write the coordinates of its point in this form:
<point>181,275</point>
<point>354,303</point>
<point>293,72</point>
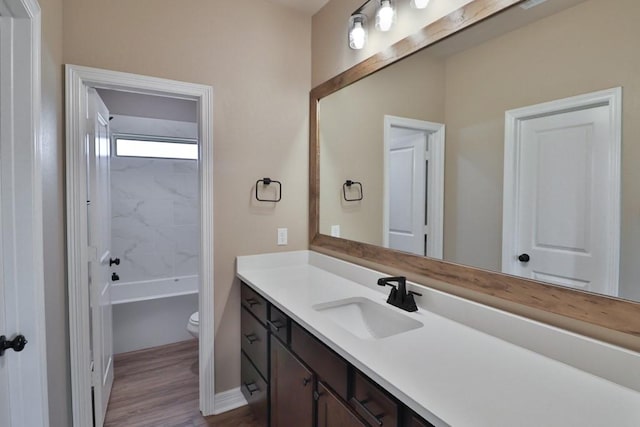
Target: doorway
<point>413,202</point>
<point>79,82</point>
<point>561,221</point>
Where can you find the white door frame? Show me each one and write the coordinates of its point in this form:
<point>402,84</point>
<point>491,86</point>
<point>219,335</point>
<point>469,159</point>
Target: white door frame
<point>22,214</point>
<point>436,178</point>
<point>612,98</point>
<point>78,80</point>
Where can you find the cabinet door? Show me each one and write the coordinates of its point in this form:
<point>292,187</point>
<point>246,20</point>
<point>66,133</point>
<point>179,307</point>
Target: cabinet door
<point>291,389</point>
<point>332,412</point>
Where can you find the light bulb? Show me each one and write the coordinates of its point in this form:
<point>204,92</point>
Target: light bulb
<point>385,16</point>
<point>420,4</point>
<point>357,35</point>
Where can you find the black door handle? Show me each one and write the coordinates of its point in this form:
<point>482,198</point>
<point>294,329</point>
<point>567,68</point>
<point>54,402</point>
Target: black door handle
<point>524,258</point>
<point>115,261</point>
<point>17,344</point>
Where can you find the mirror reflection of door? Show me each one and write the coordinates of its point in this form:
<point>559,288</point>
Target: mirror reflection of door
<point>562,167</point>
<point>414,186</point>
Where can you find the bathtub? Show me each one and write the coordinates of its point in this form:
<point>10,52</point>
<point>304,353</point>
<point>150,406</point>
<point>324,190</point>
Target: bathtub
<point>152,313</point>
<point>123,293</point>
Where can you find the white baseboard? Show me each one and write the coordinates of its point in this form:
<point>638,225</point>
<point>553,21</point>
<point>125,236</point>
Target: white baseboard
<point>229,400</point>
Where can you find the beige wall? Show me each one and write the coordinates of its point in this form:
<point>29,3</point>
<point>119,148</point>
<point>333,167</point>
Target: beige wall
<point>351,140</point>
<point>58,370</point>
<point>331,52</point>
<point>256,55</point>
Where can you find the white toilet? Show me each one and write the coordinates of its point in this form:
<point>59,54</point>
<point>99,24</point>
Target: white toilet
<point>193,326</point>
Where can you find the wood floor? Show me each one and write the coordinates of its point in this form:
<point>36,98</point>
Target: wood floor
<point>158,387</point>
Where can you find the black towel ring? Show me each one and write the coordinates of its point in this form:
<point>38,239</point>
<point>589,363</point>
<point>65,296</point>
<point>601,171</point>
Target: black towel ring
<point>267,182</point>
<point>348,184</point>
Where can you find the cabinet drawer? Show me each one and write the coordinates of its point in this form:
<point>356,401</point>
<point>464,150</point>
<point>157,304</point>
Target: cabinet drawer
<point>372,403</point>
<point>330,368</point>
<point>254,303</point>
<point>414,420</point>
<point>279,324</point>
<point>254,341</point>
<point>255,390</point>
<point>332,412</point>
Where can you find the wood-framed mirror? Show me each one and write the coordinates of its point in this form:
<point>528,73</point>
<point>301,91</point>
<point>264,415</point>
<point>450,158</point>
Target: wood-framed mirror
<point>609,318</point>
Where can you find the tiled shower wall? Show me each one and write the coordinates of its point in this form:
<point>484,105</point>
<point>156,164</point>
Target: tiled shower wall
<point>155,218</point>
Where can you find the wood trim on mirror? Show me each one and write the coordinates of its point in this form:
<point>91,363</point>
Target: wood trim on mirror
<point>605,318</point>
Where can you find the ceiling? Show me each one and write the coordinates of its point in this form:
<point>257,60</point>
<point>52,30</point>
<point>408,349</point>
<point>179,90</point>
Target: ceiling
<point>307,6</point>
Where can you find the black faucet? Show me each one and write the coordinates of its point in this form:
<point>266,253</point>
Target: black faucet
<point>399,297</point>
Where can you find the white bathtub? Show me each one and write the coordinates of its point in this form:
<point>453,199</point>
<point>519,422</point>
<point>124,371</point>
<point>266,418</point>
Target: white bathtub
<point>152,313</point>
<point>122,293</point>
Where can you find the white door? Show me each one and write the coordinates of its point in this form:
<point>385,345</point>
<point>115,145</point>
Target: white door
<point>23,376</point>
<point>413,188</point>
<point>562,197</point>
<point>99,226</point>
<point>407,187</point>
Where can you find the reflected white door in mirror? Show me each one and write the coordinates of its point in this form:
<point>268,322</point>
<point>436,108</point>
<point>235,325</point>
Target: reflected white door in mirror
<point>413,186</point>
<point>562,192</point>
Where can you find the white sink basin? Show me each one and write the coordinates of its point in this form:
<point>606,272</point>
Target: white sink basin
<point>367,319</point>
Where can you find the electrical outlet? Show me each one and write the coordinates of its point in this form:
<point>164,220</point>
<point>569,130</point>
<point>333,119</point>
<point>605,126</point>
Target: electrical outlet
<point>335,231</point>
<point>282,236</point>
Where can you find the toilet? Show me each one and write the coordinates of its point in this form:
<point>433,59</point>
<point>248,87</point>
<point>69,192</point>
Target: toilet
<point>193,325</point>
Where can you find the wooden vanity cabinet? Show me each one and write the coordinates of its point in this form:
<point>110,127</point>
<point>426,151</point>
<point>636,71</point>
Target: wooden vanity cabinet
<point>414,420</point>
<point>278,323</point>
<point>291,379</point>
<point>254,342</point>
<point>256,390</point>
<point>292,387</point>
<point>333,412</point>
<point>254,354</point>
<point>254,303</point>
<point>373,403</point>
<point>328,366</point>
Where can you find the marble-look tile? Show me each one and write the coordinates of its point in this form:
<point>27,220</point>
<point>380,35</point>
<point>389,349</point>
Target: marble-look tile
<point>149,212</point>
<point>175,185</point>
<point>186,212</point>
<point>155,229</point>
<point>186,166</point>
<point>187,249</point>
<point>143,260</point>
<point>131,185</point>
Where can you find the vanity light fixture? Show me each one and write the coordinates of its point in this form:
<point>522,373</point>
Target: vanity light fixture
<point>419,4</point>
<point>385,16</point>
<point>357,31</point>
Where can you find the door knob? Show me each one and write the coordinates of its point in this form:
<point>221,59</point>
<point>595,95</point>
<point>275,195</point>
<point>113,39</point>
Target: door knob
<point>17,344</point>
<point>115,261</point>
<point>524,258</point>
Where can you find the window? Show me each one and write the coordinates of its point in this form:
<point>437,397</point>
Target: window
<point>161,149</point>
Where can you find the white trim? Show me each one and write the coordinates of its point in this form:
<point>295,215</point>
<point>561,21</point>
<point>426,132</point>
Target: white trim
<point>436,179</point>
<point>229,400</point>
<point>513,118</point>
<point>78,80</point>
<point>21,137</point>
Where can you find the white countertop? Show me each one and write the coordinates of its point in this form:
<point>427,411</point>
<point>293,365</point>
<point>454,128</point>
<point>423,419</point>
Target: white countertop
<point>448,372</point>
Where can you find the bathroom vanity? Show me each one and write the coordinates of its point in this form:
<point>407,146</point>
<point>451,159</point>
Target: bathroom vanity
<point>320,344</point>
